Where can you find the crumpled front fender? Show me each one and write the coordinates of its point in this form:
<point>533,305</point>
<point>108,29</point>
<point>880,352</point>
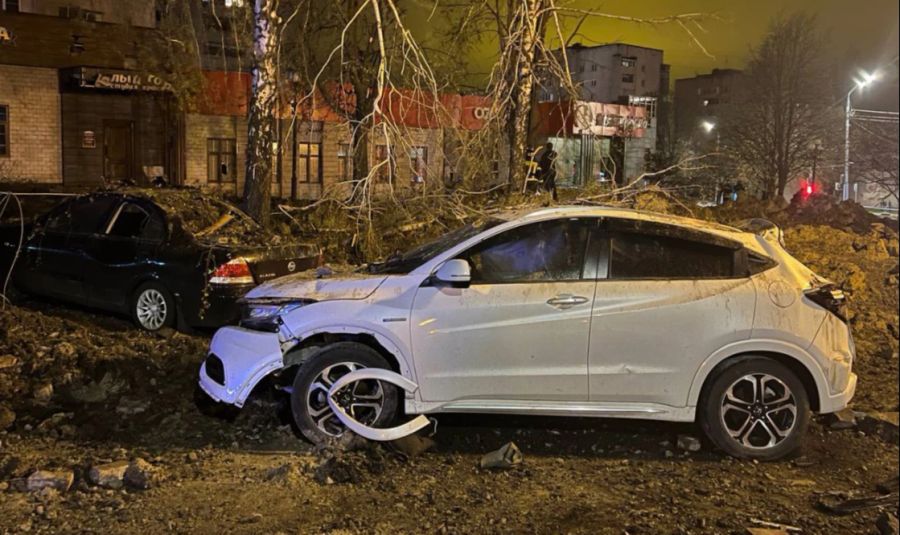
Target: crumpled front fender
<point>248,356</point>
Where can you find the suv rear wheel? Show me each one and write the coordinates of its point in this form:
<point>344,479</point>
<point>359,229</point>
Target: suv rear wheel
<point>373,403</point>
<point>756,408</point>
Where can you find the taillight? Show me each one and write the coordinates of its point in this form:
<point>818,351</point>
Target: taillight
<point>829,297</point>
<point>236,271</point>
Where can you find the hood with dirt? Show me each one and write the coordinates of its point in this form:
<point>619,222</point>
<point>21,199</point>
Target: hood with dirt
<point>301,286</point>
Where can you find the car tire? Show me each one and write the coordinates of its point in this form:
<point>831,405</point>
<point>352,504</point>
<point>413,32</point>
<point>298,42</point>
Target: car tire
<point>152,307</point>
<point>309,405</point>
<point>747,425</point>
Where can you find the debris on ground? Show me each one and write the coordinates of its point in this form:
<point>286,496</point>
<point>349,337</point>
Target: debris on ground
<point>412,445</point>
<point>887,524</point>
<point>841,503</point>
<point>108,475</point>
<point>843,419</point>
<point>44,479</point>
<point>507,456</point>
<point>688,443</point>
<point>881,424</point>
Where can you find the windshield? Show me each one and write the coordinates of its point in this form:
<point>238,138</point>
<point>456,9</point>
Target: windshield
<point>400,264</point>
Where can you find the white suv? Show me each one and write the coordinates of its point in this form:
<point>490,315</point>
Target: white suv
<point>574,311</point>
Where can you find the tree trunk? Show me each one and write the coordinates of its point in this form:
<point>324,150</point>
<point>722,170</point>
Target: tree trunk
<point>530,31</point>
<point>261,121</point>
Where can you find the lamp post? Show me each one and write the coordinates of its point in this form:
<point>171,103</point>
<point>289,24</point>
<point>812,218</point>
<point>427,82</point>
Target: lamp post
<point>861,83</point>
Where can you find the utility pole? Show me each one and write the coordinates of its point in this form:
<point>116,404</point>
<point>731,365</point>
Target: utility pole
<point>865,81</point>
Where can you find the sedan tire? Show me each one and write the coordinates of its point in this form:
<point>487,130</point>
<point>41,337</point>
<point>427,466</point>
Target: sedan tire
<point>152,307</point>
<point>373,403</point>
<point>757,409</point>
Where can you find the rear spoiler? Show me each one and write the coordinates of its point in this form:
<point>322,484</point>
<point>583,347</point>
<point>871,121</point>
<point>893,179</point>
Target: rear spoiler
<point>764,228</point>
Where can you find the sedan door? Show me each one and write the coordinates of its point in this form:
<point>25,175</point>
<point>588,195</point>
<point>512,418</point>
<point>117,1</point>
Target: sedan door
<point>122,254</point>
<point>672,297</point>
<point>520,331</point>
<point>51,262</point>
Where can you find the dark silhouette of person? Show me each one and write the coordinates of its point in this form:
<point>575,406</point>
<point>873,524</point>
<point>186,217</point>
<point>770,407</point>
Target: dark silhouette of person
<point>547,166</point>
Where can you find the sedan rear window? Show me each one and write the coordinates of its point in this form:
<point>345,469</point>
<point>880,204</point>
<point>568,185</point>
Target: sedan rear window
<point>638,256</point>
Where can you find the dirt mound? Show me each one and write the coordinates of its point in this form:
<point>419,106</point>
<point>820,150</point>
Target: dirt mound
<point>826,210</point>
<point>865,266</point>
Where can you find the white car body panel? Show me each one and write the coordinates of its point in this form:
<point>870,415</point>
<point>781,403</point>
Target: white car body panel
<point>502,341</point>
<point>641,349</point>
<point>649,337</point>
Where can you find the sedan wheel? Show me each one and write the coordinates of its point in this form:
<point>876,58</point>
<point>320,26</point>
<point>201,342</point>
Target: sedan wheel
<point>152,307</point>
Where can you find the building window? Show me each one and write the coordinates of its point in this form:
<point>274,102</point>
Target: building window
<point>4,130</point>
<point>10,5</point>
<point>384,159</point>
<point>309,162</point>
<point>221,157</point>
<point>629,62</point>
<point>418,161</point>
<point>345,162</point>
<point>628,78</point>
<point>594,67</point>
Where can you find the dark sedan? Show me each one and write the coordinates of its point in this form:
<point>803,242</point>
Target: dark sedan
<point>165,257</point>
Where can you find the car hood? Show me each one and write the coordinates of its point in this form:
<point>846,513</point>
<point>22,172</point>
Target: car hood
<point>300,286</point>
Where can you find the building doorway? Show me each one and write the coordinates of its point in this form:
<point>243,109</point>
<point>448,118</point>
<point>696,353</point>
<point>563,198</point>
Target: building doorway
<point>118,149</point>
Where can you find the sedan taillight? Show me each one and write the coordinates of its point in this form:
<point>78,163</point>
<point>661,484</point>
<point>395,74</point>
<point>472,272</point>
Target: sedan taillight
<point>829,297</point>
<point>235,271</point>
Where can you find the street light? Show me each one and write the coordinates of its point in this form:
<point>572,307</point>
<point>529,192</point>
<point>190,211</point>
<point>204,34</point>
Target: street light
<point>709,126</point>
<point>866,79</point>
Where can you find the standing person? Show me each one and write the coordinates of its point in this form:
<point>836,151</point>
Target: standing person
<point>548,169</point>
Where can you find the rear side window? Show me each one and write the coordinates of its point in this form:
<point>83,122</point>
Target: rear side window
<point>541,252</point>
<point>640,256</point>
<point>135,222</point>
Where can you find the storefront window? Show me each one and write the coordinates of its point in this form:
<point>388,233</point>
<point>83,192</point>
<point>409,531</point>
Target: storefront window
<point>221,160</point>
<point>4,130</point>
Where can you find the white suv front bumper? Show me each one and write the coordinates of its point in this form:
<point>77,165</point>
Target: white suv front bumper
<point>247,356</point>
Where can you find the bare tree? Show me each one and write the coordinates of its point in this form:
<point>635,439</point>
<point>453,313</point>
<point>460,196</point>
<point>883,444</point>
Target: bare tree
<point>783,108</point>
<point>261,134</point>
<point>874,142</point>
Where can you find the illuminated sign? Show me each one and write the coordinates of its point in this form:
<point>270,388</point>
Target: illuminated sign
<point>601,119</point>
<point>121,80</point>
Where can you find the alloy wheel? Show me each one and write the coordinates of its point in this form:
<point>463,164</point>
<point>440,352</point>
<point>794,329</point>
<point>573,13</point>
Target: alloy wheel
<point>362,400</point>
<point>151,309</point>
<point>758,411</point>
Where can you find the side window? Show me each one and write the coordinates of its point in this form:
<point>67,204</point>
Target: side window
<point>540,252</point>
<point>89,214</point>
<point>135,222</point>
<point>644,256</point>
<point>84,215</point>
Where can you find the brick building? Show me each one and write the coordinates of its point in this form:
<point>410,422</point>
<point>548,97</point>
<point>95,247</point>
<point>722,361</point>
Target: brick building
<point>76,108</point>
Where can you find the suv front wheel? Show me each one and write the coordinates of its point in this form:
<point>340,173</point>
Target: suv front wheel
<point>371,402</point>
<point>755,409</point>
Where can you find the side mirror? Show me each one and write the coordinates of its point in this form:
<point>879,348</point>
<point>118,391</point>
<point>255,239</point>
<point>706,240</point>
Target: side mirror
<point>456,273</point>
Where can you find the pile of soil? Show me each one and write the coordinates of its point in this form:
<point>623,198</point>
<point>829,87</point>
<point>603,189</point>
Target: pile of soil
<point>865,265</point>
<point>825,210</point>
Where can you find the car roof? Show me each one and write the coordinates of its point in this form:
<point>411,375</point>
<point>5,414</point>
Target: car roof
<point>621,213</point>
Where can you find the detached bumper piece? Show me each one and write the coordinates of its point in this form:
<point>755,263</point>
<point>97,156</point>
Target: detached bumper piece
<point>374,433</point>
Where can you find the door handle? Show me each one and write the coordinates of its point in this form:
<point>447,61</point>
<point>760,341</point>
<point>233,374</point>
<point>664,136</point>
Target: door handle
<point>564,301</point>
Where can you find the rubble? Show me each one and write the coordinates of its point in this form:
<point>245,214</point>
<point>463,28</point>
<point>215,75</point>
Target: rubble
<point>688,443</point>
<point>44,479</point>
<point>887,524</point>
<point>8,361</point>
<point>7,417</point>
<point>507,456</point>
<point>139,475</point>
<point>109,475</point>
<point>843,419</point>
<point>880,424</point>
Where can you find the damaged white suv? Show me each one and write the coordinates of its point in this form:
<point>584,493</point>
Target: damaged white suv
<point>575,311</point>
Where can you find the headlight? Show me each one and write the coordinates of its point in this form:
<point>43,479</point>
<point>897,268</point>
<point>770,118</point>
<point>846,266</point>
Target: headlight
<point>266,316</point>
